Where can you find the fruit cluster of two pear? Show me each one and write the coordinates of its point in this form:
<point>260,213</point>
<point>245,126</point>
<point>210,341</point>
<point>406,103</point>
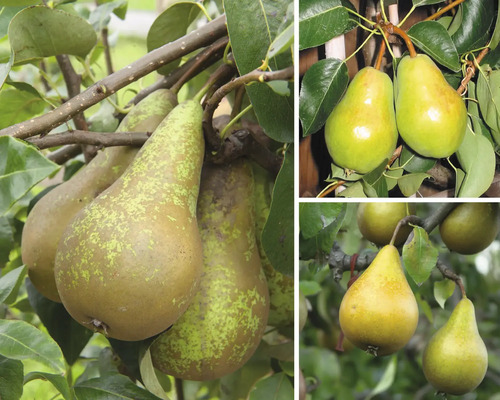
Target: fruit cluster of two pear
<point>132,250</point>
<point>362,130</point>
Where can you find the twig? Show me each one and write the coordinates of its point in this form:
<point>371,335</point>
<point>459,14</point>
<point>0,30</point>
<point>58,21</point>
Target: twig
<point>448,273</point>
<point>107,51</point>
<point>436,218</point>
<point>179,390</point>
<point>100,139</point>
<point>443,10</point>
<point>409,219</point>
<point>64,154</point>
<point>110,84</point>
<point>213,102</point>
<point>471,70</point>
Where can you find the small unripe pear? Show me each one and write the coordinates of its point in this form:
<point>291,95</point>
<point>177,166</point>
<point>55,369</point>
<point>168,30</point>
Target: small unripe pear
<point>455,359</point>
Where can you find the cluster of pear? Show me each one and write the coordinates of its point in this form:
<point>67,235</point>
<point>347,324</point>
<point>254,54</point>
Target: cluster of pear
<point>139,241</point>
<point>362,130</point>
<point>379,312</point>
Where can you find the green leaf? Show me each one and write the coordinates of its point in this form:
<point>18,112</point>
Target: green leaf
<point>495,38</point>
<point>324,365</point>
<point>277,235</point>
<point>38,32</point>
<point>309,288</point>
<point>322,88</point>
<point>5,69</point>
<point>418,3</point>
<point>18,106</point>
<point>6,15</point>
<point>58,381</point>
<point>434,39</point>
<point>69,334</point>
<point>252,28</point>
<point>443,291</point>
<point>20,340</point>
<point>17,3</point>
<point>171,25</point>
<point>120,11</point>
<point>424,307</point>
<point>11,379</point>
<point>148,375</point>
<point>279,87</point>
<point>412,162</point>
<point>320,21</point>
<point>409,184</point>
<point>314,217</point>
<point>476,19</point>
<point>479,171</point>
<point>111,387</point>
<point>274,387</point>
<point>282,43</point>
<point>354,190</point>
<point>6,240</point>
<point>21,167</point>
<point>419,256</point>
<point>387,378</point>
<point>10,283</point>
<point>101,15</point>
<point>488,96</point>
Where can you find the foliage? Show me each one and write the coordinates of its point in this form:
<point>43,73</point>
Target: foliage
<point>454,43</point>
<point>354,374</point>
<point>44,353</point>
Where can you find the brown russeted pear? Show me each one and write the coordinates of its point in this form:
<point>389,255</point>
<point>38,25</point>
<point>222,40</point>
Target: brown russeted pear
<point>50,216</point>
<point>129,263</point>
<point>377,221</point>
<point>379,312</point>
<point>431,116</point>
<point>455,359</point>
<point>281,290</point>
<point>361,131</point>
<point>470,227</point>
<point>226,320</point>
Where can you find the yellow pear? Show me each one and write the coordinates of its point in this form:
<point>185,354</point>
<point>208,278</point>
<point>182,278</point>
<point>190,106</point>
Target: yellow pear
<point>455,359</point>
<point>379,312</point>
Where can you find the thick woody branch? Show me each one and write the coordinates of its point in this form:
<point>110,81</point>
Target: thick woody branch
<point>109,85</point>
<point>65,153</point>
<point>100,139</point>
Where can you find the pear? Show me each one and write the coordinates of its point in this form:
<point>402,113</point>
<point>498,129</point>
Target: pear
<point>470,227</point>
<point>455,359</point>
<point>281,288</point>
<point>361,131</point>
<point>379,312</point>
<point>431,116</point>
<point>50,216</point>
<point>377,221</point>
<point>129,263</point>
<point>224,324</point>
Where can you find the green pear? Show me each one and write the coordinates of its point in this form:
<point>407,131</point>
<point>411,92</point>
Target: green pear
<point>470,227</point>
<point>129,263</point>
<point>430,114</point>
<point>377,221</point>
<point>379,313</point>
<point>361,131</point>
<point>281,288</point>
<point>226,320</point>
<point>50,216</point>
<point>455,359</point>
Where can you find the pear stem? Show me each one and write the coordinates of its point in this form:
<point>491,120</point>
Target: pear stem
<point>443,10</point>
<point>381,52</point>
<point>409,219</point>
<point>449,274</point>
<point>398,31</point>
<point>179,389</point>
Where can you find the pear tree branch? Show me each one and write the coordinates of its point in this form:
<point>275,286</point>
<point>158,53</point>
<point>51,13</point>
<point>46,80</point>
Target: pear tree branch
<point>443,10</point>
<point>448,273</point>
<point>471,70</point>
<point>119,79</point>
<point>64,154</point>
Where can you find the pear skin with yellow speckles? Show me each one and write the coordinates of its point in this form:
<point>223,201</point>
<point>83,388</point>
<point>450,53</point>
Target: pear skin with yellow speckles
<point>226,320</point>
<point>49,217</point>
<point>129,263</point>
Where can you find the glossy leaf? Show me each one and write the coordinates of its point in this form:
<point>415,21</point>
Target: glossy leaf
<point>282,43</point>
<point>19,105</point>
<point>58,381</point>
<point>434,39</point>
<point>479,171</point>
<point>322,88</point>
<point>274,387</point>
<point>354,190</point>
<point>11,379</point>
<point>20,340</point>
<point>129,353</point>
<point>488,96</point>
<point>314,217</point>
<point>21,167</point>
<point>476,19</point>
<point>419,256</point>
<point>443,291</point>
<point>320,21</point>
<point>418,3</point>
<point>69,334</point>
<point>6,240</point>
<point>412,162</point>
<point>38,32</point>
<point>387,378</point>
<point>171,25</point>
<point>277,235</point>
<point>113,386</point>
<point>10,283</point>
<point>495,38</point>
<point>148,375</point>
<point>252,27</point>
<point>409,184</point>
